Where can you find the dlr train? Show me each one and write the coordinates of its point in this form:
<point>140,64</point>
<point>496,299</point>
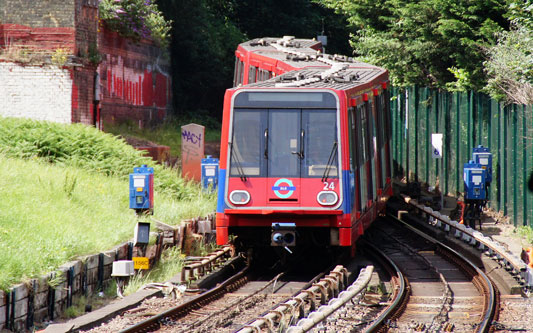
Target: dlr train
<point>305,158</point>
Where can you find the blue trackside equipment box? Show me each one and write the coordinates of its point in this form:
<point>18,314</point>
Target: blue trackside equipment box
<point>142,189</point>
<point>483,156</point>
<point>474,180</point>
<point>209,173</point>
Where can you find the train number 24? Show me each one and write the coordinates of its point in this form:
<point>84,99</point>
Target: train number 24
<point>329,186</point>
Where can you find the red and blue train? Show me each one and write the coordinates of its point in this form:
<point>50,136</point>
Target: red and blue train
<point>305,155</point>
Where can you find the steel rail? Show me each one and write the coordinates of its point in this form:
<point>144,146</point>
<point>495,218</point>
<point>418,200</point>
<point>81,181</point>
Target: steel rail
<point>334,304</point>
<point>401,289</point>
<point>326,287</point>
<point>181,310</point>
<point>516,266</point>
<point>480,279</point>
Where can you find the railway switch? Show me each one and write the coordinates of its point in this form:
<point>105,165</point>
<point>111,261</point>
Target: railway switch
<point>142,189</point>
<point>209,173</point>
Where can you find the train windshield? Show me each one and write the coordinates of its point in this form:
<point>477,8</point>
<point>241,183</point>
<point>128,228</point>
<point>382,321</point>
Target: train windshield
<point>284,143</point>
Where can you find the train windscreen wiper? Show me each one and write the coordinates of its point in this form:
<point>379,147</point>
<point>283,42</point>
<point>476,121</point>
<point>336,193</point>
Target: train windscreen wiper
<point>300,153</point>
<point>265,152</point>
<point>331,159</point>
<point>240,170</point>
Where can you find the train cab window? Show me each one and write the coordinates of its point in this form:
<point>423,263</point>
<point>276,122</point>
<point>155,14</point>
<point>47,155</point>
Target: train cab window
<point>284,143</point>
<point>280,134</point>
<point>246,150</point>
<point>320,149</point>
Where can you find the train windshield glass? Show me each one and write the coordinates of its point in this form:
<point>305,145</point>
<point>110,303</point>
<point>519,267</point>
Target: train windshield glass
<point>284,143</point>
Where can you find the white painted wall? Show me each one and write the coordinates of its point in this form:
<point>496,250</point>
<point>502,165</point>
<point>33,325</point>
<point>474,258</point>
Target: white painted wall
<point>36,92</point>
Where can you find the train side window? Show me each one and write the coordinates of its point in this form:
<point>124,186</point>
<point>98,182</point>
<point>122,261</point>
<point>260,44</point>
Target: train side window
<point>388,129</point>
<point>354,165</point>
<point>236,71</point>
<point>251,74</point>
<point>362,149</point>
<point>382,136</point>
<point>263,75</point>
<point>372,150</point>
<point>239,72</point>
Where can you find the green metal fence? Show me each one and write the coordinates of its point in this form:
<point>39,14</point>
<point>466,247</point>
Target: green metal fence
<point>466,120</point>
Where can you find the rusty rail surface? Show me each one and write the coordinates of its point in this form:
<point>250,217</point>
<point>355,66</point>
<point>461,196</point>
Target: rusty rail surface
<point>400,286</point>
<point>513,264</point>
<point>228,285</point>
<point>325,289</point>
<point>480,279</point>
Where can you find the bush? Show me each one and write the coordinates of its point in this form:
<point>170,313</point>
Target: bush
<point>86,148</point>
<point>136,19</point>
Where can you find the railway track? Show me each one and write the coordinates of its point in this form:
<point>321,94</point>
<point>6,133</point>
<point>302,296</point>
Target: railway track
<point>246,303</point>
<point>422,286</point>
<point>446,291</point>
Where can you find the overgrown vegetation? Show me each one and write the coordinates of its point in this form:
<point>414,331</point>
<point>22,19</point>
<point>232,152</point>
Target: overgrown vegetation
<point>87,148</point>
<point>136,19</point>
<point>65,194</point>
<point>169,132</point>
<point>205,34</point>
<point>510,67</point>
<point>510,62</point>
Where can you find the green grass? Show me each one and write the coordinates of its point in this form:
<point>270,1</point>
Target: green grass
<point>169,132</point>
<point>64,191</point>
<point>525,233</point>
<point>87,148</point>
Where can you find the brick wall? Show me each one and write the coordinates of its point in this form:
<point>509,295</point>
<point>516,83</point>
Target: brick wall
<point>38,92</point>
<point>38,13</point>
<point>134,80</point>
<point>86,35</point>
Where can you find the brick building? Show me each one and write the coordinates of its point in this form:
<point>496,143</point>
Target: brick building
<point>59,63</point>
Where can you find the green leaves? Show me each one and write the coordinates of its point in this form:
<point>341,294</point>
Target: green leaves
<point>510,66</point>
<point>87,148</point>
<point>136,19</point>
<point>418,42</point>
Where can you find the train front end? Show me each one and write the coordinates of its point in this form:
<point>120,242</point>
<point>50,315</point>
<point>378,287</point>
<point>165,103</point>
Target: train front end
<point>281,178</point>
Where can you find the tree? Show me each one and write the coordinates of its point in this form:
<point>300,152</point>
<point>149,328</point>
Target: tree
<point>299,18</point>
<point>436,43</point>
<point>205,35</point>
<point>510,62</point>
<point>202,50</point>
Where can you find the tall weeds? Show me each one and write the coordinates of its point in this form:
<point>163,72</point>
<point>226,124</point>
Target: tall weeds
<point>87,148</point>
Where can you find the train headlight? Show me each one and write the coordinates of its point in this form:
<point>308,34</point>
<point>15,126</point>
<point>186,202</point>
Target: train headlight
<point>239,197</point>
<point>327,198</point>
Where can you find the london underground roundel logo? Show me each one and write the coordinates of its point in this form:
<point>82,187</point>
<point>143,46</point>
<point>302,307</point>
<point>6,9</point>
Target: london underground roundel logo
<point>283,185</point>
